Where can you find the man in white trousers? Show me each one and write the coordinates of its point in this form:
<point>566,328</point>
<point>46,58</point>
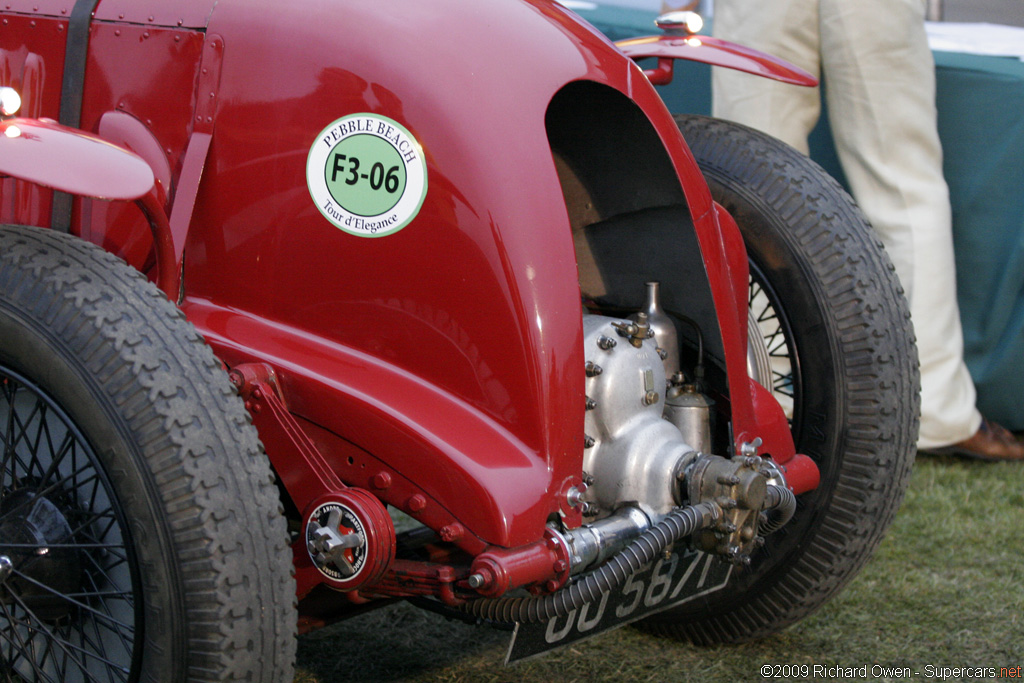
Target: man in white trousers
<point>879,79</point>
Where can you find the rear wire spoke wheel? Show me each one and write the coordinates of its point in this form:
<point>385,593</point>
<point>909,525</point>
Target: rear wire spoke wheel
<point>71,590</point>
<point>141,532</point>
<point>833,317</point>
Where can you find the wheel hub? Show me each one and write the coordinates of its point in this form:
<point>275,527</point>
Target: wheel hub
<point>36,566</point>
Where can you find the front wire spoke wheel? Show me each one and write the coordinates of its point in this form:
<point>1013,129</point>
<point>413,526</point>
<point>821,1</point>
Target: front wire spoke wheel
<point>835,333</point>
<point>772,339</point>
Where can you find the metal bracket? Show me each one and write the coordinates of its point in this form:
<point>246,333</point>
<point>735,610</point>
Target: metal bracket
<point>301,467</point>
<point>194,162</point>
<point>72,90</point>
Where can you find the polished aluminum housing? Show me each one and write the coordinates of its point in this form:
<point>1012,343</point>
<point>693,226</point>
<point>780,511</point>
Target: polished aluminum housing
<point>636,455</point>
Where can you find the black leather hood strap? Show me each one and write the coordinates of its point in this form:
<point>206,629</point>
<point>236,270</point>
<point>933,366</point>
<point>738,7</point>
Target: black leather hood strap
<point>72,90</point>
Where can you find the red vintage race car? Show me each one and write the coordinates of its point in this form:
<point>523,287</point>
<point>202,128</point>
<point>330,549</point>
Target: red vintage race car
<point>309,306</point>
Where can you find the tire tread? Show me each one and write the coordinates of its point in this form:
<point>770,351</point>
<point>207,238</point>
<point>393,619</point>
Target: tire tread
<point>213,486</point>
<point>873,341</point>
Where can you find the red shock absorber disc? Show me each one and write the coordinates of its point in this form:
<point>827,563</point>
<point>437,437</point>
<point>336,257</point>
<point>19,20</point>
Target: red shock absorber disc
<point>350,538</point>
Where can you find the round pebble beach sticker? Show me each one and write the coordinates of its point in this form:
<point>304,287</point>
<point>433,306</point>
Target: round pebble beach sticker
<point>367,175</point>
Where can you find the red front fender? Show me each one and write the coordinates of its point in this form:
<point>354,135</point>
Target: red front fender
<point>52,155</point>
<point>46,153</point>
<point>710,50</point>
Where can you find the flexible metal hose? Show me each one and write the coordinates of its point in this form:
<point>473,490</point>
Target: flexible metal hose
<point>534,609</point>
<point>780,504</point>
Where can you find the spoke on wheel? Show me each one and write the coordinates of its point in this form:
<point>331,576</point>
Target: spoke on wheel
<point>89,520</point>
<point>22,432</point>
<point>16,433</point>
<point>22,647</point>
<point>97,646</point>
<point>114,623</point>
<point>67,444</point>
<point>60,546</point>
<point>52,488</point>
<point>49,471</point>
<point>67,647</point>
<point>89,450</point>
<point>775,341</point>
<point>783,383</point>
<point>105,571</point>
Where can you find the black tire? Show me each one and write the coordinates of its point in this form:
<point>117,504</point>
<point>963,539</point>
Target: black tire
<point>853,387</point>
<point>141,533</point>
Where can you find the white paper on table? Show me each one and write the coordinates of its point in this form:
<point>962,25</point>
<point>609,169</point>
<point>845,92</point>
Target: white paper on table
<point>977,39</point>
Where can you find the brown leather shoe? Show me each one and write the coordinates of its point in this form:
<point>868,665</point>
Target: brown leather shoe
<point>991,443</point>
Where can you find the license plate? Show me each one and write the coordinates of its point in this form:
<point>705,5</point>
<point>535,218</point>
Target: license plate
<point>658,586</point>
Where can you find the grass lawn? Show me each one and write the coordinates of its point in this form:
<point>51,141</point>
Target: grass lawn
<point>945,590</point>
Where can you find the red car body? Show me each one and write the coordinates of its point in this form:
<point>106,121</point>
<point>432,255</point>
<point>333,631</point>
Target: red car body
<point>437,366</point>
